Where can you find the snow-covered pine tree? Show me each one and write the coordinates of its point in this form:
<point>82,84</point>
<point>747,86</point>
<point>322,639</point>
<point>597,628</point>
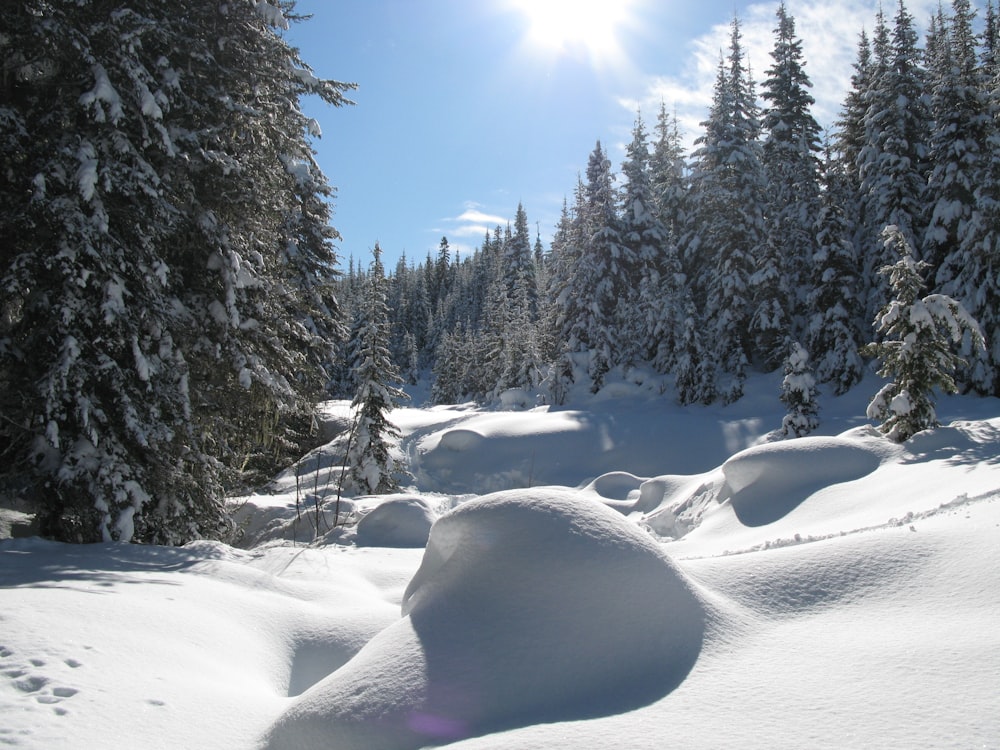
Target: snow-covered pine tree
<point>958,145</point>
<point>726,224</point>
<point>603,269</point>
<point>693,365</point>
<point>791,169</point>
<point>448,385</point>
<point>833,333</point>
<point>893,161</point>
<point>668,305</point>
<point>917,347</point>
<point>970,251</point>
<point>164,247</point>
<point>562,303</point>
<point>644,240</point>
<point>519,265</point>
<point>798,393</point>
<point>668,173</point>
<point>849,140</point>
<point>377,379</point>
<point>850,133</point>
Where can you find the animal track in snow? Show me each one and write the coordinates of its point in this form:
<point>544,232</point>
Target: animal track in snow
<point>33,678</point>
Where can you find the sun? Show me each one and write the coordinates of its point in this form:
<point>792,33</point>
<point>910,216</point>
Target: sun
<point>587,29</point>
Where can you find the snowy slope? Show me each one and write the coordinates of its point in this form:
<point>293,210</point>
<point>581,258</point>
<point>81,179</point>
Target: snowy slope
<point>647,576</point>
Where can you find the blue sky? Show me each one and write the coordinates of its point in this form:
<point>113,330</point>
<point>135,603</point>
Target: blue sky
<point>466,108</point>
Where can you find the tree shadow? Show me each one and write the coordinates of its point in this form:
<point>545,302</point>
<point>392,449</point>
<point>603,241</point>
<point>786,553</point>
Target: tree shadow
<point>37,563</point>
<point>958,444</point>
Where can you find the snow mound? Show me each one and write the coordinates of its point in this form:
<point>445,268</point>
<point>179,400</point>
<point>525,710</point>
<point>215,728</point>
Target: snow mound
<point>400,521</point>
<point>460,440</point>
<point>767,482</point>
<point>529,606</point>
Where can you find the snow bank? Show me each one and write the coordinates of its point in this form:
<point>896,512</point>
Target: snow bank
<point>769,481</point>
<point>399,521</point>
<point>529,606</point>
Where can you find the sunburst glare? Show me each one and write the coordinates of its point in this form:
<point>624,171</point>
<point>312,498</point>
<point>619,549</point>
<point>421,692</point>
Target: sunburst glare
<point>587,29</point>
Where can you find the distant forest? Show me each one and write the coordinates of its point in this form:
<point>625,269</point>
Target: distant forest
<point>766,239</point>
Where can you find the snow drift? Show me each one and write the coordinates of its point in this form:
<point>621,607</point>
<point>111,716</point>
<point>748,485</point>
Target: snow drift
<point>528,606</point>
<point>398,521</point>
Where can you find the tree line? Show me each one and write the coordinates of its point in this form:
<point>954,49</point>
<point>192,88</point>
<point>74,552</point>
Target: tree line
<point>764,243</point>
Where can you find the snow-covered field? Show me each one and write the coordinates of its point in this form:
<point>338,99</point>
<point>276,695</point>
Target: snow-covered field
<point>643,576</point>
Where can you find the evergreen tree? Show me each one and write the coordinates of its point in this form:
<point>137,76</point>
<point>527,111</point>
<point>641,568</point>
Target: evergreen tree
<point>668,174</point>
<point>448,386</point>
<point>976,281</point>
<point>959,143</point>
<point>798,393</point>
<point>791,169</point>
<point>693,366</point>
<point>377,381</point>
<point>893,161</point>
<point>917,347</point>
<point>603,270</point>
<point>851,126</point>
<point>726,224</point>
<point>166,261</point>
<point>644,240</point>
<point>564,304</point>
<point>519,265</point>
<point>833,332</point>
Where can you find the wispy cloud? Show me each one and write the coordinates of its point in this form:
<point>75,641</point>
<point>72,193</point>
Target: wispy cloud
<point>829,33</point>
<point>472,222</point>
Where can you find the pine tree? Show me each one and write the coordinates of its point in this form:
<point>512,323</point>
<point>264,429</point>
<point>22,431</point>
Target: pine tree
<point>519,265</point>
<point>377,391</point>
<point>166,261</point>
<point>693,365</point>
<point>833,333</point>
<point>668,174</point>
<point>798,393</point>
<point>644,240</point>
<point>791,169</point>
<point>893,161</point>
<point>603,269</point>
<point>917,347</point>
<point>959,143</point>
<point>726,224</point>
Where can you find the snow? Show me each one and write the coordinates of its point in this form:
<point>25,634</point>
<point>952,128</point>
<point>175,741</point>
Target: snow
<point>397,521</point>
<point>645,575</point>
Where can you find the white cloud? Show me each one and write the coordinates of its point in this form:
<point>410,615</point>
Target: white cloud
<point>472,222</point>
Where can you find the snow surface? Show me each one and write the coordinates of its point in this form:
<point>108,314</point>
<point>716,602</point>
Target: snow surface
<point>643,576</point>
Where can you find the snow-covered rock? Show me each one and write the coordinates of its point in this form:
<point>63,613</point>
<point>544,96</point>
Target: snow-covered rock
<point>529,606</point>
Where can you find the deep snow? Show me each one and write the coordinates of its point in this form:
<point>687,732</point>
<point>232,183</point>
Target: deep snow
<point>642,576</point>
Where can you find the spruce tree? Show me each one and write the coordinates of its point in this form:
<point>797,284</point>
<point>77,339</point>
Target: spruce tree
<point>377,393</point>
<point>644,240</point>
<point>917,346</point>
<point>893,160</point>
<point>166,261</point>
<point>833,333</point>
<point>791,169</point>
<point>726,224</point>
<point>958,146</point>
<point>798,393</point>
<point>604,268</point>
<point>668,173</point>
